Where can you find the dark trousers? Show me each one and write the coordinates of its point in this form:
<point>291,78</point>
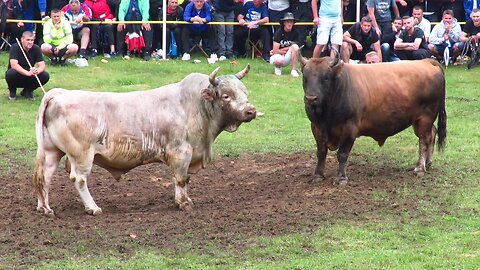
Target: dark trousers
<point>413,55</point>
<point>147,36</point>
<point>205,36</point>
<point>107,29</point>
<point>16,80</point>
<point>261,33</point>
<point>303,13</point>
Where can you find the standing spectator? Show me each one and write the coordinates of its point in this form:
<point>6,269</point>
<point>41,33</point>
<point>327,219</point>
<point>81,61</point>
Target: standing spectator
<point>469,6</point>
<point>433,9</point>
<point>457,7</point>
<point>329,25</point>
<point>444,36</point>
<point>19,73</point>
<point>411,44</point>
<point>79,13</point>
<point>285,46</point>
<point>101,12</point>
<point>276,11</point>
<point>33,9</point>
<point>198,13</point>
<point>11,9</point>
<point>174,13</point>
<point>302,10</point>
<point>58,39</point>
<point>421,22</point>
<point>224,12</point>
<point>388,38</point>
<point>380,12</point>
<point>359,40</point>
<point>254,15</point>
<point>134,10</point>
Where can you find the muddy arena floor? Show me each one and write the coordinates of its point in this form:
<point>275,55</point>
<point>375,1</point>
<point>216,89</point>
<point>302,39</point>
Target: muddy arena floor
<point>235,199</point>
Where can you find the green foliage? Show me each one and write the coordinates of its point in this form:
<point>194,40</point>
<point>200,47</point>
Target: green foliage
<point>439,234</point>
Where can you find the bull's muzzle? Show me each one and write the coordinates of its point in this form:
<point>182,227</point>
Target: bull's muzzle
<point>250,113</point>
<point>311,100</point>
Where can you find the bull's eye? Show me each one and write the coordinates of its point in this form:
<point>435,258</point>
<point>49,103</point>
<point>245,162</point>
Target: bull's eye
<point>226,97</point>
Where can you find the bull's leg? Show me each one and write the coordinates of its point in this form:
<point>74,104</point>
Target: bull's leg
<point>46,165</point>
<point>431,148</point>
<point>342,157</point>
<point>423,130</point>
<point>80,169</point>
<point>179,162</point>
<point>319,173</point>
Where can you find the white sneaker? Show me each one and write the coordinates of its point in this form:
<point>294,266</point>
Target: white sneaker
<point>214,56</point>
<point>278,71</point>
<point>222,58</point>
<point>186,57</point>
<point>294,73</point>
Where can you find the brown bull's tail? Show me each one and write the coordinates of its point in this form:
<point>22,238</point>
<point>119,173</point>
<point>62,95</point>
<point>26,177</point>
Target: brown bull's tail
<point>442,126</point>
<point>38,176</point>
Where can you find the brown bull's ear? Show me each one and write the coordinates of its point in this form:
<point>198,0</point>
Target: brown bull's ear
<point>207,94</point>
<point>243,73</point>
<point>214,81</point>
<point>303,61</point>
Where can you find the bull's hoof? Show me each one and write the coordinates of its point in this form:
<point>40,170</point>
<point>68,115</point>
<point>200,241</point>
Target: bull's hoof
<point>419,171</point>
<point>317,178</point>
<point>341,181</point>
<point>94,212</point>
<point>46,212</point>
<point>185,205</point>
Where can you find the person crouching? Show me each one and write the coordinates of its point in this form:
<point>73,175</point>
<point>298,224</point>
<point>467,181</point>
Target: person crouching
<point>285,46</point>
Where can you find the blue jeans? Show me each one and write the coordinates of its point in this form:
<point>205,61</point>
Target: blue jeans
<point>387,53</point>
<point>224,32</point>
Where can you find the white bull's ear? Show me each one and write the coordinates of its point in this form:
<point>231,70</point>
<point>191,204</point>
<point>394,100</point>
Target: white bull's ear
<point>207,94</point>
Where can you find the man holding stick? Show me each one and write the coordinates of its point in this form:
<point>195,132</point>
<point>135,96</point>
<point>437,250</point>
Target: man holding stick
<point>26,67</point>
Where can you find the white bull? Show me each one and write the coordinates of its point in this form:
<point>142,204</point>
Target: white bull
<point>175,124</point>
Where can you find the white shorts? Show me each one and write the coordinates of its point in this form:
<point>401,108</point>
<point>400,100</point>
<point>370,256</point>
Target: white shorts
<point>330,29</point>
<point>279,57</point>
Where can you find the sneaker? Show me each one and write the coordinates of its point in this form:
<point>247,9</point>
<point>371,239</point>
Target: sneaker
<point>62,62</point>
<point>106,55</point>
<point>82,53</point>
<point>28,94</point>
<point>146,56</point>
<point>278,71</point>
<point>186,57</point>
<point>113,55</point>
<point>294,73</point>
<point>54,61</point>
<point>93,53</point>
<point>12,96</point>
<point>214,56</point>
<point>230,56</point>
<point>222,58</point>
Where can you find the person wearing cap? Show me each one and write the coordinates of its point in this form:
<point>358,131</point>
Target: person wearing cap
<point>285,46</point>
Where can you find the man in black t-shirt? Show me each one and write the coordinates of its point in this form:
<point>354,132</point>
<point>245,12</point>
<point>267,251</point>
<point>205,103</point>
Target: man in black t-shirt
<point>470,30</point>
<point>411,45</point>
<point>19,73</point>
<point>285,46</point>
<point>359,40</point>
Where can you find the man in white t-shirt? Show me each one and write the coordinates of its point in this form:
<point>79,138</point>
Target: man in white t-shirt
<point>421,22</point>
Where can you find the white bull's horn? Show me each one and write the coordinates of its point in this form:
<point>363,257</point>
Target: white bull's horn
<point>243,73</point>
<point>213,80</point>
<point>337,57</point>
<point>302,59</point>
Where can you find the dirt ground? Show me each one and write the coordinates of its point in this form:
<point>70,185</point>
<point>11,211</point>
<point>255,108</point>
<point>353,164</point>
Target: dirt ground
<point>235,199</point>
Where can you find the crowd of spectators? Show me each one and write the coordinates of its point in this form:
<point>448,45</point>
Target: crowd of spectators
<point>391,28</point>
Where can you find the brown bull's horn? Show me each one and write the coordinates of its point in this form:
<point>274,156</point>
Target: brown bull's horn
<point>243,73</point>
<point>302,59</point>
<point>336,60</point>
<point>213,80</point>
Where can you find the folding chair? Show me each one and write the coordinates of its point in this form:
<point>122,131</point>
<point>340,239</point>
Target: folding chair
<point>254,50</point>
<point>475,53</point>
<point>3,26</point>
<point>197,43</point>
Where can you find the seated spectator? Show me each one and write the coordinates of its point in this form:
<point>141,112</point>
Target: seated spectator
<point>13,10</point>
<point>421,22</point>
<point>388,39</point>
<point>469,6</point>
<point>19,73</point>
<point>101,12</point>
<point>254,14</point>
<point>58,39</point>
<point>174,13</point>
<point>198,13</point>
<point>134,10</point>
<point>285,46</point>
<point>411,45</point>
<point>359,40</point>
<point>470,30</point>
<point>444,36</point>
<point>79,13</point>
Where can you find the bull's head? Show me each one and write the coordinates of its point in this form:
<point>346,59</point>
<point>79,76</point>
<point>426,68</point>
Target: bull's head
<point>319,78</point>
<point>229,95</point>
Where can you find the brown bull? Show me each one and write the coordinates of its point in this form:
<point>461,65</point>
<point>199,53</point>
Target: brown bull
<point>175,124</point>
<point>344,102</point>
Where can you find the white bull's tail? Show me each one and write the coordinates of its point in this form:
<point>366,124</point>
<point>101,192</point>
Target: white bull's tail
<point>38,175</point>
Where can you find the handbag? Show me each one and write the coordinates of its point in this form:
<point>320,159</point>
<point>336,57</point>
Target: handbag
<point>173,52</point>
